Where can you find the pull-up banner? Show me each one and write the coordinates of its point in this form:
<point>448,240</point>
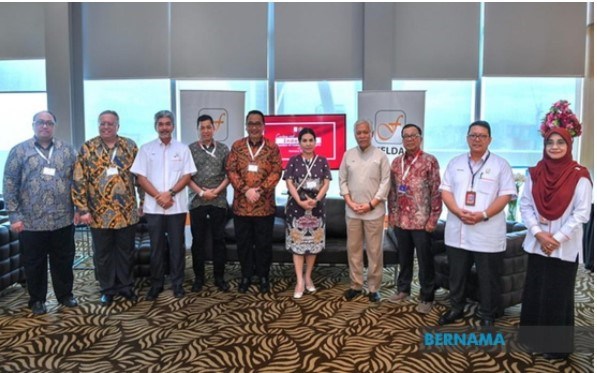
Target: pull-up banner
<point>389,111</point>
<point>225,107</point>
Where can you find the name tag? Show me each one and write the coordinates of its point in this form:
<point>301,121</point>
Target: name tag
<point>311,184</point>
<point>111,171</point>
<point>49,171</point>
<point>253,168</point>
<point>470,198</point>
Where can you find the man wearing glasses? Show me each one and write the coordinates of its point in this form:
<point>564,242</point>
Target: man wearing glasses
<point>476,187</point>
<point>104,194</point>
<point>37,191</point>
<point>414,205</point>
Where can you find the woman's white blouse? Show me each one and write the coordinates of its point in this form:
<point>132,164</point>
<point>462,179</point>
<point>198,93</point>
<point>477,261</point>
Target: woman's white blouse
<point>567,230</point>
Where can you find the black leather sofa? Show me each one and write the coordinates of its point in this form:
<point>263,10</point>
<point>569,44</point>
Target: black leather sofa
<point>334,253</point>
<point>11,268</point>
<point>513,269</point>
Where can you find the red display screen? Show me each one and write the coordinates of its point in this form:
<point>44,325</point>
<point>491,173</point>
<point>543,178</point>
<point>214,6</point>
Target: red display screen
<point>330,130</point>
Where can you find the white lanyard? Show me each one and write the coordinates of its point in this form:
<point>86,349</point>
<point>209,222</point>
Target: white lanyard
<point>42,154</point>
<point>113,155</point>
<point>404,174</point>
<point>213,152</point>
<point>309,167</point>
<point>258,150</point>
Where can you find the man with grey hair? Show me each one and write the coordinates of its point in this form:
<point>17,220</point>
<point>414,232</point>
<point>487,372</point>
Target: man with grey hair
<point>364,183</point>
<point>164,167</point>
<point>37,192</point>
<point>104,194</point>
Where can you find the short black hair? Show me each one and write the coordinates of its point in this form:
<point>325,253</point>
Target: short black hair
<point>480,123</point>
<point>412,125</point>
<point>205,117</point>
<point>306,131</point>
<point>257,112</point>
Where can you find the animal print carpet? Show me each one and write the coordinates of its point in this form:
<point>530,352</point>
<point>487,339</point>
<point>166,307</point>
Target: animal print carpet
<point>231,332</point>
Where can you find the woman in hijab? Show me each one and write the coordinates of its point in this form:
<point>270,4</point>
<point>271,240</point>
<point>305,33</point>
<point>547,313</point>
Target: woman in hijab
<point>555,203</point>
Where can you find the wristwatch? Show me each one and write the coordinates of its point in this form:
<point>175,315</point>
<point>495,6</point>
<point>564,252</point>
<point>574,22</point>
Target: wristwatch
<point>485,217</point>
<point>201,193</point>
<point>172,192</point>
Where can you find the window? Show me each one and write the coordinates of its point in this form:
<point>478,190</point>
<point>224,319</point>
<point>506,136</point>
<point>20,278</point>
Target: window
<point>135,101</point>
<point>449,110</point>
<point>23,76</point>
<point>22,94</point>
<point>515,108</point>
<point>323,97</point>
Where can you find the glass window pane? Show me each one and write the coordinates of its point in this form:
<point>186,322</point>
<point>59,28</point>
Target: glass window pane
<point>515,108</point>
<point>23,75</point>
<point>449,110</point>
<point>18,110</point>
<point>135,101</point>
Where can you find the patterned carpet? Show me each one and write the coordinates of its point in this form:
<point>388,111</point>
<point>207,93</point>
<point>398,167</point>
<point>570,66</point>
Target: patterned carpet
<point>229,332</point>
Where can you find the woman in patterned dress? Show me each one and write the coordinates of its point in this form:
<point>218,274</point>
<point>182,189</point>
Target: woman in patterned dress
<point>308,178</point>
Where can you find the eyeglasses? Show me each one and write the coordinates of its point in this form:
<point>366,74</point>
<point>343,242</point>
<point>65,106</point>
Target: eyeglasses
<point>477,137</point>
<point>552,143</point>
<point>410,137</point>
<point>41,123</point>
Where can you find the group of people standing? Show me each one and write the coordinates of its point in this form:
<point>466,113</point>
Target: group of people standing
<point>48,186</point>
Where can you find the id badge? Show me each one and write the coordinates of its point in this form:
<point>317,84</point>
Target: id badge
<point>402,189</point>
<point>470,198</point>
<point>253,168</point>
<point>311,184</point>
<point>49,171</point>
<point>111,171</point>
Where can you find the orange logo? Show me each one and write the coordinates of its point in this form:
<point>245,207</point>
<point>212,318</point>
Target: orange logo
<point>387,124</point>
<point>221,120</point>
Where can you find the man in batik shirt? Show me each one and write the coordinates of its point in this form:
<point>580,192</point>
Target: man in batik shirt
<point>104,194</point>
<point>254,168</point>
<point>414,205</point>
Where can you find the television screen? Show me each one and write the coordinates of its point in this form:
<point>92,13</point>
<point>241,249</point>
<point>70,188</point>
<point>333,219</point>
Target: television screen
<point>330,130</point>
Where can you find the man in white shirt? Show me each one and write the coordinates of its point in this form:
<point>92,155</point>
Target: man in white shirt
<point>475,188</point>
<point>164,167</point>
<point>364,183</point>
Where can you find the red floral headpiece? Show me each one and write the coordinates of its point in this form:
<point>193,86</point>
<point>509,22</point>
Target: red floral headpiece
<point>560,115</point>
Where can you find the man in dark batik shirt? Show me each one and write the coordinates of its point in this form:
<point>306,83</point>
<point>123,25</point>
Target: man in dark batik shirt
<point>254,168</point>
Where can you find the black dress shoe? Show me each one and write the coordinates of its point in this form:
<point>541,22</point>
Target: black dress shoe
<point>449,317</point>
<point>221,284</point>
<point>69,302</point>
<point>264,285</point>
<point>178,291</point>
<point>106,299</point>
<point>197,286</point>
<point>244,284</point>
<point>374,297</point>
<point>129,295</point>
<point>555,356</point>
<point>350,294</point>
<point>38,308</point>
<point>153,293</point>
<point>486,323</point>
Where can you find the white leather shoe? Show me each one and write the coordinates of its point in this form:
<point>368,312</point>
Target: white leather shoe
<point>298,295</point>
